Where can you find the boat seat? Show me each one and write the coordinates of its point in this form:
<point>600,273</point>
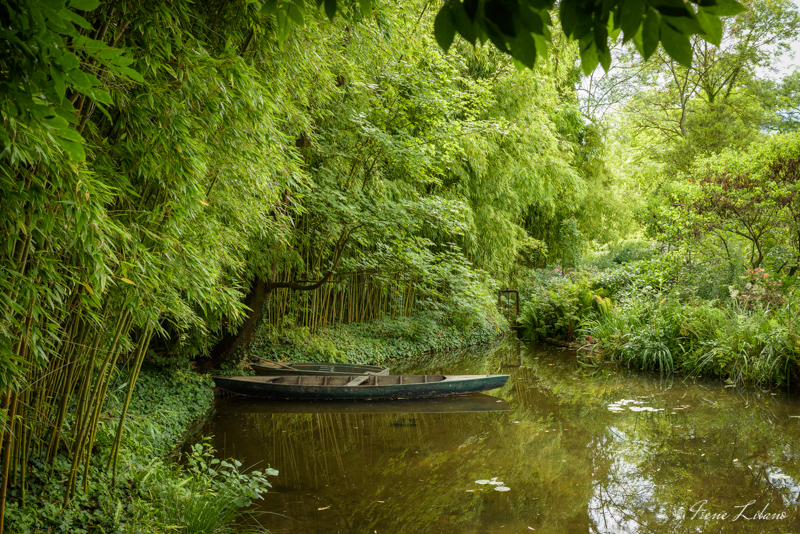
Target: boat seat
<point>358,380</point>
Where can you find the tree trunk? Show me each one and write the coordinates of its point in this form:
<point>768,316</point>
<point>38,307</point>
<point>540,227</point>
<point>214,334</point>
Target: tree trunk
<point>226,347</point>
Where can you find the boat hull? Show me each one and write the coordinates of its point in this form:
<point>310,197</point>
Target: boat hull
<point>319,369</point>
<point>299,387</point>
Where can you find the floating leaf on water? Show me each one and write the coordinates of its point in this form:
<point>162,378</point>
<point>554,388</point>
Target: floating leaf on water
<point>502,488</point>
<point>483,481</point>
<point>779,476</point>
<point>319,509</point>
<point>496,483</point>
<point>474,491</point>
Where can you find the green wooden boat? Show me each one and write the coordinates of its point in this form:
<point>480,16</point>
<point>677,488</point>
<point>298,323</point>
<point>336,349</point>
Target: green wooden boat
<point>359,387</point>
<point>319,369</point>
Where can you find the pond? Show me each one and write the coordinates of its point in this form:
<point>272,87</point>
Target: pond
<point>559,449</point>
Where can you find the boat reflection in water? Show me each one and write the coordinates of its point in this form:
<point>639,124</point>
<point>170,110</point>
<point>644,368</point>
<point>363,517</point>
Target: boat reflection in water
<point>467,403</point>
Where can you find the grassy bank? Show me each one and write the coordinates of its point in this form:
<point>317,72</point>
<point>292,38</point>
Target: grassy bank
<point>658,315</point>
<point>151,492</point>
<point>373,342</point>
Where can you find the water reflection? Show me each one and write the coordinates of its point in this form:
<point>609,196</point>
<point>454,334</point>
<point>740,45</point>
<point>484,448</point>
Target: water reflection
<point>669,457</point>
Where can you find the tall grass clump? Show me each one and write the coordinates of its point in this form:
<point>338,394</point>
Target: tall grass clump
<point>756,345</point>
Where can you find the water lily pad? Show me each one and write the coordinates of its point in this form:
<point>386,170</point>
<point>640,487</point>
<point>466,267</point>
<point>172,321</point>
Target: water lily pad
<point>483,481</point>
<point>778,476</point>
<point>502,488</point>
<point>496,483</point>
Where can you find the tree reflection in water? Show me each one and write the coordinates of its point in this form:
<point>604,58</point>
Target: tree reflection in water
<point>571,463</point>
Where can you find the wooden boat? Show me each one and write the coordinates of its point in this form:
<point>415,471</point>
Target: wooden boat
<point>363,387</point>
<point>320,369</point>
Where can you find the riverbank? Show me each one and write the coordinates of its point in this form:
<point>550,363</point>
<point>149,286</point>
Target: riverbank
<point>372,342</point>
<point>150,492</point>
<point>648,316</point>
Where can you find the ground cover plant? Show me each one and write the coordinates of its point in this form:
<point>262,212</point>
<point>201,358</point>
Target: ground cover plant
<point>380,341</point>
<point>151,486</point>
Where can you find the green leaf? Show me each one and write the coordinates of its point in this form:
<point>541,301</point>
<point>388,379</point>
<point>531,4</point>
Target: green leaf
<point>70,61</point>
<point>58,81</point>
<point>524,49</point>
<point>98,95</point>
<point>471,8</point>
<point>684,25</point>
<point>605,58</point>
<point>712,28</point>
<point>269,7</point>
<point>631,18</point>
<point>283,25</point>
<point>296,14</point>
<point>531,20</point>
<point>498,13</point>
<point>74,150</point>
<point>569,18</point>
<point>366,7</point>
<point>330,9</point>
<point>464,25</point>
<point>74,18</point>
<point>444,27</point>
<point>130,73</point>
<point>589,59</point>
<point>70,134</point>
<point>57,123</point>
<point>650,33</point>
<point>84,5</point>
<point>724,8</point>
<point>676,44</point>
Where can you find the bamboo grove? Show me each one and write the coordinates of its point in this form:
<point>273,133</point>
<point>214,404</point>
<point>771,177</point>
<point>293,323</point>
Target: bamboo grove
<point>157,159</point>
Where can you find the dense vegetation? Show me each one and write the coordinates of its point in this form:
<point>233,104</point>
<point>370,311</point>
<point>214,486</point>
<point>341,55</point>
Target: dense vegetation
<point>181,178</point>
<point>716,295</point>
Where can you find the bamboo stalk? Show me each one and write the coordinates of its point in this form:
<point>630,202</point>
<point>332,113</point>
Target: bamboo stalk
<point>105,381</point>
<point>8,439</point>
<point>143,344</point>
<point>84,431</point>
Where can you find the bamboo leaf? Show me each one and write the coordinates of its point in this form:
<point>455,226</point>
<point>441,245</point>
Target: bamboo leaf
<point>74,150</point>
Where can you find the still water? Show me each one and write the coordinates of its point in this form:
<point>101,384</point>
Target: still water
<point>598,451</point>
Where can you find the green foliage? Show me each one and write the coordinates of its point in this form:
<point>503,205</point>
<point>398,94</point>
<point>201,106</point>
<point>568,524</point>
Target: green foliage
<point>748,339</point>
<point>556,306</point>
<point>743,346</point>
<point>164,403</point>
<point>204,497</point>
<point>373,342</point>
<point>521,28</point>
<point>151,494</point>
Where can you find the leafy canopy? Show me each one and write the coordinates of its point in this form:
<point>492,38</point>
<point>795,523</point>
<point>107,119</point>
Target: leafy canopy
<point>521,28</point>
